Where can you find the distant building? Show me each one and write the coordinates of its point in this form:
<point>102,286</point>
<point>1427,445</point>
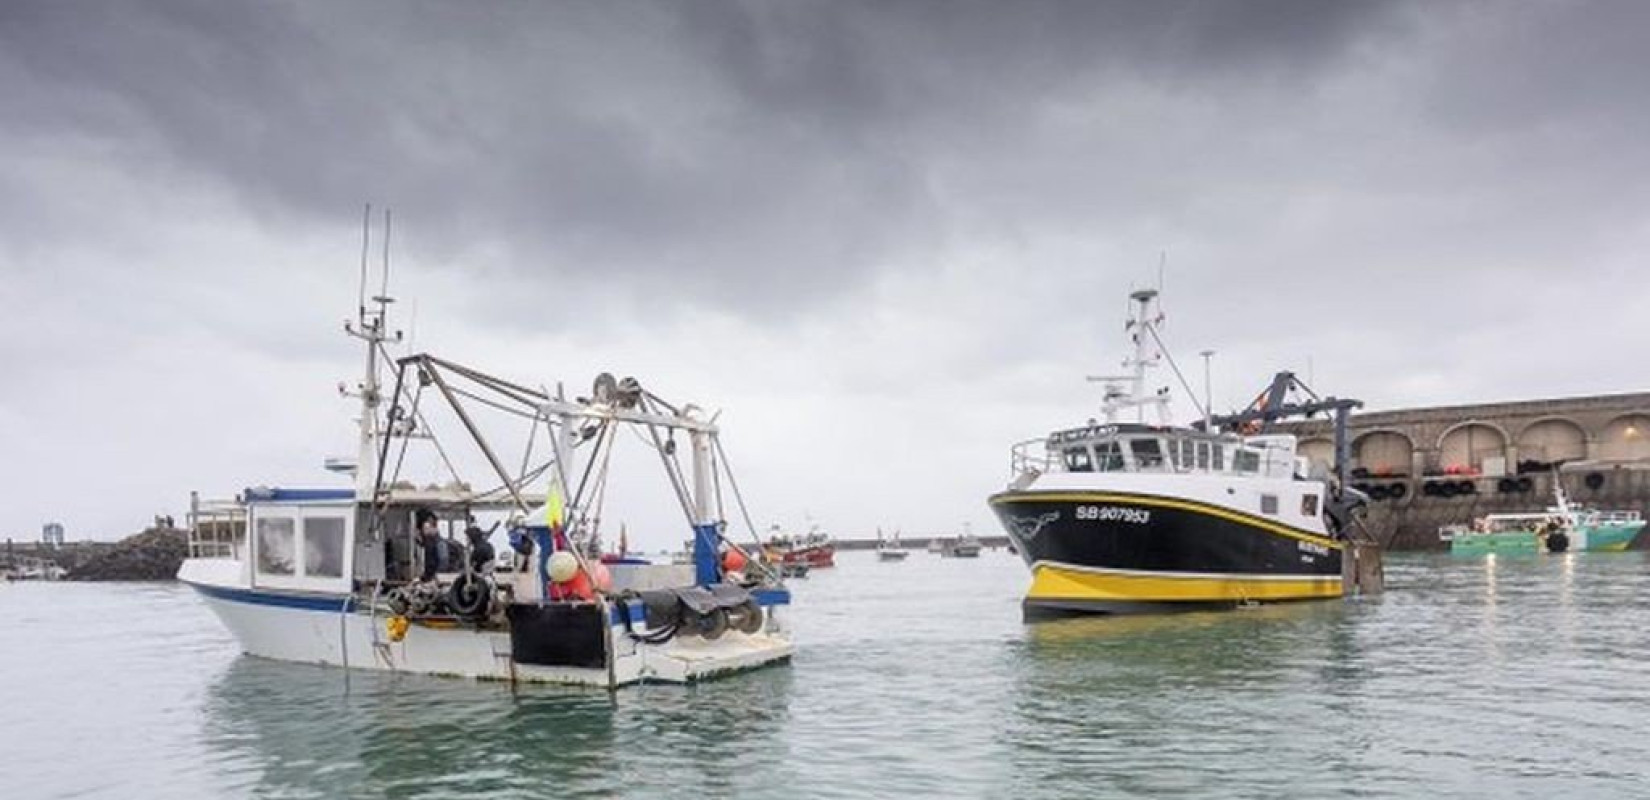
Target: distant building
<point>51,534</point>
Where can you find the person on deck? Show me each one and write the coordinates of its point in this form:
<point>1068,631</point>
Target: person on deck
<point>481,550</point>
<point>429,540</point>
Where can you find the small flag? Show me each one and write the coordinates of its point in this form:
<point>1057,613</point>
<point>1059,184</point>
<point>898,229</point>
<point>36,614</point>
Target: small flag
<point>555,506</point>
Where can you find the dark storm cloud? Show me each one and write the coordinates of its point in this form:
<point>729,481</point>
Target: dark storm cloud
<point>867,227</point>
<point>777,153</point>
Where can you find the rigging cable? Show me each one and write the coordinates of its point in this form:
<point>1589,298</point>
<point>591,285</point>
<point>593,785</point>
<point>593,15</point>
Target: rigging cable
<point>739,498</point>
<point>672,469</point>
<point>1201,411</point>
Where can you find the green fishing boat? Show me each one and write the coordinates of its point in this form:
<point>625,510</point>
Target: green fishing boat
<point>1561,528</point>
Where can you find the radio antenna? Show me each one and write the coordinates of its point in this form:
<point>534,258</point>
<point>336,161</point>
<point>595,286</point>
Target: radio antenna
<point>366,242</point>
<point>385,291</point>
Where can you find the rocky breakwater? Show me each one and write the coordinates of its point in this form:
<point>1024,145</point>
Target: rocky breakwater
<point>152,555</point>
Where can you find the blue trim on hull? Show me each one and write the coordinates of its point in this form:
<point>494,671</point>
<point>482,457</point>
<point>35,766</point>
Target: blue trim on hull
<point>305,602</point>
<point>278,495</point>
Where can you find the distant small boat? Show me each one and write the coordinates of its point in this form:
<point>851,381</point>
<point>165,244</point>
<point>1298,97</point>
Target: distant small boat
<point>815,550</point>
<point>964,546</point>
<point>890,549</point>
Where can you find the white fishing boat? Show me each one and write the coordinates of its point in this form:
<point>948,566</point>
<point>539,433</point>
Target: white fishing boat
<point>965,546</point>
<point>891,550</point>
<point>359,577</point>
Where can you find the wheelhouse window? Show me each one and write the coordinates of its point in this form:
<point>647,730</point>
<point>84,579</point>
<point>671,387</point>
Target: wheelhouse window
<point>277,548</point>
<point>1269,504</point>
<point>1220,458</point>
<point>1077,460</point>
<point>1187,454</point>
<point>1108,457</point>
<point>1148,453</point>
<point>1245,460</point>
<point>1203,455</point>
<point>324,547</point>
<point>1309,505</point>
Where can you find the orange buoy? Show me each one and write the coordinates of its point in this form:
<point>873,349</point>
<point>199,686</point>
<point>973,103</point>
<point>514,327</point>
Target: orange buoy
<point>734,561</point>
<point>579,586</point>
<point>604,576</point>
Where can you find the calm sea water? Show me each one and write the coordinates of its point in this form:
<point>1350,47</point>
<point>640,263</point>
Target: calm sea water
<point>1517,678</point>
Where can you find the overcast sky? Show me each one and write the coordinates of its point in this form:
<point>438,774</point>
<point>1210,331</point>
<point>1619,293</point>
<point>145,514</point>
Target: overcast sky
<point>885,239</point>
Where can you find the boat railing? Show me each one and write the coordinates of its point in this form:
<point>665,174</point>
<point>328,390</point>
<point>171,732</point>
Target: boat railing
<point>1029,456</point>
<point>1616,517</point>
<point>217,529</point>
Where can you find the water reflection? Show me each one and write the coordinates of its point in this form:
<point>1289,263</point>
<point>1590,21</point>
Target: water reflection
<point>1156,704</point>
<point>294,731</point>
<point>1201,647</point>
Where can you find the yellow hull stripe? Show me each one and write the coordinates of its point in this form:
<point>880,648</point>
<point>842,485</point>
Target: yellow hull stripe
<point>1057,583</point>
<point>1198,508</point>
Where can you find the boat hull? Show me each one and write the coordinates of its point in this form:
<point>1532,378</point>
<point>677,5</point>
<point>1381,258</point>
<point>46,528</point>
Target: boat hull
<point>1124,552</point>
<point>816,557</point>
<point>1591,539</point>
<point>332,631</point>
<point>1612,538</point>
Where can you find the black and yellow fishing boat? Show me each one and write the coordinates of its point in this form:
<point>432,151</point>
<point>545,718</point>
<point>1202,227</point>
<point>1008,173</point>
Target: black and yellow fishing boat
<point>1134,517</point>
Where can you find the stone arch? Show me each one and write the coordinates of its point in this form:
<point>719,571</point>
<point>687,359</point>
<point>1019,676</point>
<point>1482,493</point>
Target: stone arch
<point>1467,444</point>
<point>1552,439</point>
<point>1626,438</point>
<point>1319,452</point>
<point>1384,452</point>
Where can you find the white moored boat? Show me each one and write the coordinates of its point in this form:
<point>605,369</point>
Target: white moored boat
<point>358,577</point>
<point>890,550</point>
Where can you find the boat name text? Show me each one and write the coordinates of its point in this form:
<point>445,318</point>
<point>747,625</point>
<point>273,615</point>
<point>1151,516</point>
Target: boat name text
<point>1137,516</point>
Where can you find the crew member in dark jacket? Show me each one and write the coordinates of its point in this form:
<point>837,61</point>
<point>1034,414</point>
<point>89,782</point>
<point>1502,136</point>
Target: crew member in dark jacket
<point>481,550</point>
<point>429,540</point>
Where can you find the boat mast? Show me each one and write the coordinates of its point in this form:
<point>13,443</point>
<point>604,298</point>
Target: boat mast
<point>371,327</point>
<point>1143,330</point>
